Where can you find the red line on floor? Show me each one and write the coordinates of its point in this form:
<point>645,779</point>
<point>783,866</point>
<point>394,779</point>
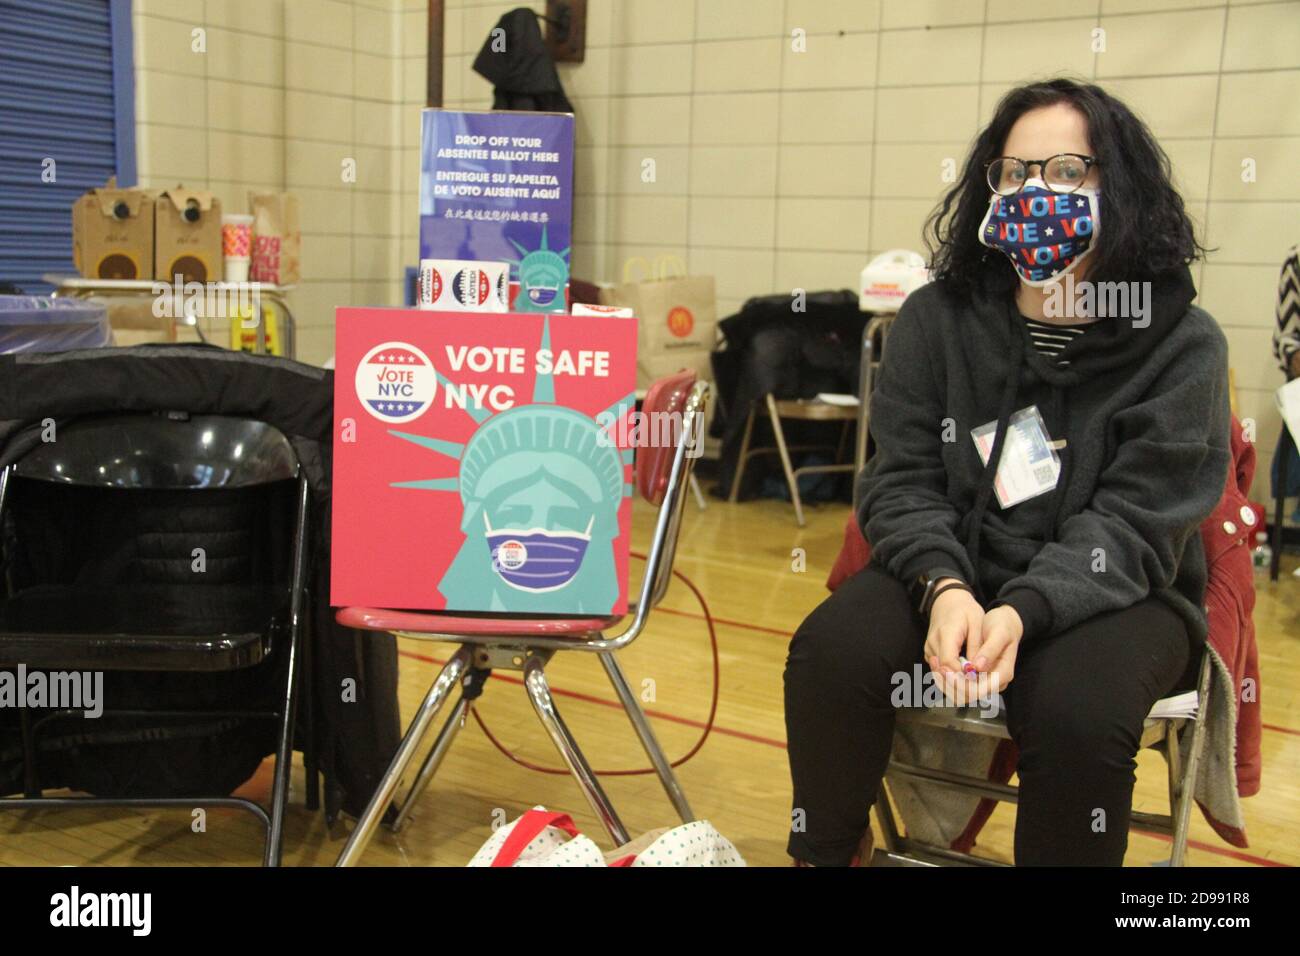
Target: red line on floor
<point>725,620</point>
<point>780,744</point>
<point>1281,730</point>
<point>614,704</point>
<point>1220,851</point>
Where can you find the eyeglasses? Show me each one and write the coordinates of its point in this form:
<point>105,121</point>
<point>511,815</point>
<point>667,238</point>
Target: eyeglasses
<point>1063,173</point>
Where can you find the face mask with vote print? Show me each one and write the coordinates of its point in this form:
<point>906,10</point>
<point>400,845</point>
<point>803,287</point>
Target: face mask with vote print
<point>1043,233</point>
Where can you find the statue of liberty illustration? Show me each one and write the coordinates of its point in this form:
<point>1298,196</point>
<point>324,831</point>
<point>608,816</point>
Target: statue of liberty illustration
<point>542,277</point>
<point>541,486</point>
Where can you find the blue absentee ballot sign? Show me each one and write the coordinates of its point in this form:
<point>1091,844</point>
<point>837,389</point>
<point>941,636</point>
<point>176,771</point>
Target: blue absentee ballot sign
<point>498,187</point>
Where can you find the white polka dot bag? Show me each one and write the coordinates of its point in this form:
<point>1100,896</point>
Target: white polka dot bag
<point>545,838</point>
<point>697,843</point>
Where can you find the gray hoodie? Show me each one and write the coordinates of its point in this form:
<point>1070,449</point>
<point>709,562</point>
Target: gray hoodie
<point>1143,409</point>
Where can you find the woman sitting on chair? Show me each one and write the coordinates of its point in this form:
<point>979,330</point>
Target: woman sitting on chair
<point>1052,426</point>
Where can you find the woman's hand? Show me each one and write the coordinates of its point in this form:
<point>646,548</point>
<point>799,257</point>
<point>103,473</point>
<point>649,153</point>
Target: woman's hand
<point>993,650</point>
<point>955,618</point>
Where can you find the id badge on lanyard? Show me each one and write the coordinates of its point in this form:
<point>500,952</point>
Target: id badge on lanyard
<point>1029,465</point>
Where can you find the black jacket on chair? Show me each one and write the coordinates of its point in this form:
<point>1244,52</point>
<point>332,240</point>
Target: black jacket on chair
<point>352,743</point>
<point>772,348</point>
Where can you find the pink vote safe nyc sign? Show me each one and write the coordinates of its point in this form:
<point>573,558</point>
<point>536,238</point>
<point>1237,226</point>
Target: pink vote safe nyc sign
<point>481,461</point>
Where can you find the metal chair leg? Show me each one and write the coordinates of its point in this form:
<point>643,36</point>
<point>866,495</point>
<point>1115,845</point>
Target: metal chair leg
<point>284,746</point>
<point>283,760</point>
<point>786,465</point>
<point>442,685</point>
<point>698,493</point>
<point>743,458</point>
<point>885,817</point>
<point>540,694</point>
<point>433,761</point>
<point>1173,763</point>
<point>472,689</point>
<point>663,767</point>
<point>1182,811</point>
<point>310,765</point>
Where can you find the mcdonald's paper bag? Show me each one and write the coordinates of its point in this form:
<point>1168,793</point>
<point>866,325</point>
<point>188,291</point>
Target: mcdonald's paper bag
<point>677,320</point>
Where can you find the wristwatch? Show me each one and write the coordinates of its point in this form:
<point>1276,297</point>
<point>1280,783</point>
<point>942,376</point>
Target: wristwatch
<point>922,590</point>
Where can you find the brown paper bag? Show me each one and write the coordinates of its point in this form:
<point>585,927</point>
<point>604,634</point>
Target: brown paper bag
<point>676,314</point>
<point>277,239</point>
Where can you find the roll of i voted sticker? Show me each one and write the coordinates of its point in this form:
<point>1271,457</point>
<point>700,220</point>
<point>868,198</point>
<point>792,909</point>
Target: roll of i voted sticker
<point>461,286</point>
<point>431,282</point>
<point>611,311</point>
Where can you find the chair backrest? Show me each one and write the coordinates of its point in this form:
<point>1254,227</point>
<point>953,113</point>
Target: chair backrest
<point>135,479</point>
<point>663,409</point>
<point>664,471</point>
<point>874,334</point>
<point>162,452</point>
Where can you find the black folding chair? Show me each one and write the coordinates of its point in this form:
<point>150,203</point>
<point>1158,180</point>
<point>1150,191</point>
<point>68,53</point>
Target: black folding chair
<point>67,628</point>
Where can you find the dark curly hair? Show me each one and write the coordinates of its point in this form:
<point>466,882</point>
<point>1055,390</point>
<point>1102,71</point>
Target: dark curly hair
<point>1145,229</point>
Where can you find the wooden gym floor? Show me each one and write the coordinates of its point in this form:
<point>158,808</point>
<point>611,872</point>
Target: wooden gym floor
<point>740,556</point>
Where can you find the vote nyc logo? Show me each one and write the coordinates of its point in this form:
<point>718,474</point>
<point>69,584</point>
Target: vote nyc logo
<point>396,382</point>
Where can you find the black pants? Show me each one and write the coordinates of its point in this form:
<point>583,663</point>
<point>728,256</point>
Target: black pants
<point>1075,709</point>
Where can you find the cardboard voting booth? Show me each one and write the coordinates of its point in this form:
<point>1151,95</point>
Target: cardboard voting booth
<point>497,187</point>
<point>481,461</point>
<point>187,236</point>
<point>112,233</point>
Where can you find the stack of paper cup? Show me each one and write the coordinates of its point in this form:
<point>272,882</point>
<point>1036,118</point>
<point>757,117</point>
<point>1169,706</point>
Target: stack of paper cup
<point>236,245</point>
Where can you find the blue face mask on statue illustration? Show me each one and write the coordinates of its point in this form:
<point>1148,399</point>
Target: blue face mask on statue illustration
<point>536,559</point>
<point>543,295</point>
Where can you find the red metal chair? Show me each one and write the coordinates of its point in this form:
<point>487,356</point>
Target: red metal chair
<point>527,643</point>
